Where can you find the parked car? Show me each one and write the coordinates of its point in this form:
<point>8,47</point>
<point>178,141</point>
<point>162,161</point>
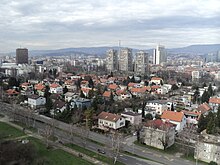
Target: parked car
<point>101,151</point>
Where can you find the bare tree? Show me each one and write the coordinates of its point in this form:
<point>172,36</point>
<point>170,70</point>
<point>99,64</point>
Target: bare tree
<point>116,145</point>
<point>47,133</point>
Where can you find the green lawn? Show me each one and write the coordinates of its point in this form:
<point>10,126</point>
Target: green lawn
<point>57,156</point>
<point>7,131</point>
<point>93,154</point>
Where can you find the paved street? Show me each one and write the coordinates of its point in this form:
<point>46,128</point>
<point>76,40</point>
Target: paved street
<point>63,131</point>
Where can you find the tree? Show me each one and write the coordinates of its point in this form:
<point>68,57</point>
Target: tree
<point>111,98</point>
<point>54,72</point>
<point>211,127</point>
<point>88,115</point>
<point>82,94</point>
<point>218,118</point>
<point>91,94</point>
<point>213,163</point>
<point>65,90</point>
<point>91,83</point>
<point>143,108</point>
<point>210,90</point>
<point>172,107</point>
<point>174,87</point>
<point>204,85</point>
<point>202,123</point>
<point>48,105</point>
<point>13,82</point>
<point>149,116</point>
<point>196,95</point>
<point>205,97</point>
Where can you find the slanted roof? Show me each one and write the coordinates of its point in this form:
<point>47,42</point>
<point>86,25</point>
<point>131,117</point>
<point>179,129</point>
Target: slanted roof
<point>54,85</point>
<point>113,86</point>
<point>131,113</point>
<point>39,86</point>
<point>59,104</point>
<point>106,94</point>
<point>173,116</point>
<point>34,97</point>
<point>203,108</point>
<point>214,100</point>
<point>109,116</point>
<point>159,124</point>
<point>12,92</point>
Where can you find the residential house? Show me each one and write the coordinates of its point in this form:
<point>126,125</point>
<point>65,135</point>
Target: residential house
<point>40,88</point>
<point>192,117</point>
<point>139,92</point>
<point>69,95</point>
<point>123,94</point>
<point>157,105</point>
<point>133,118</point>
<point>156,81</point>
<point>59,106</point>
<point>56,88</point>
<point>26,89</point>
<point>35,101</point>
<point>81,103</point>
<point>158,134</point>
<point>177,118</point>
<point>11,92</point>
<point>214,103</point>
<point>204,109</point>
<point>208,149</point>
<point>107,121</point>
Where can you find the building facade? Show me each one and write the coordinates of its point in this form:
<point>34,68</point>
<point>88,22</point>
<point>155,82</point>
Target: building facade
<point>159,55</point>
<point>22,56</point>
<point>112,60</point>
<point>125,60</point>
<point>141,62</point>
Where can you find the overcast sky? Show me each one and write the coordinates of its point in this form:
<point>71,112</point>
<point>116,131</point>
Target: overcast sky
<point>54,24</point>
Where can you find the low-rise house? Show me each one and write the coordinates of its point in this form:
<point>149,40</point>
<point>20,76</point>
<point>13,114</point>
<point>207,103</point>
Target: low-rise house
<point>35,101</point>
<point>40,89</point>
<point>81,103</point>
<point>107,121</point>
<point>139,92</point>
<point>203,109</point>
<point>133,118</point>
<point>59,106</point>
<point>176,118</point>
<point>11,92</point>
<point>192,117</point>
<point>156,81</point>
<point>123,94</point>
<point>56,88</point>
<point>69,96</point>
<point>113,87</point>
<point>208,149</point>
<point>214,103</point>
<point>158,105</point>
<point>158,134</point>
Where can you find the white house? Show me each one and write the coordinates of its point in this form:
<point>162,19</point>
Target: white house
<point>133,117</point>
<point>56,88</point>
<point>69,96</point>
<point>177,118</point>
<point>214,103</point>
<point>158,105</point>
<point>156,81</point>
<point>108,121</point>
<point>35,101</point>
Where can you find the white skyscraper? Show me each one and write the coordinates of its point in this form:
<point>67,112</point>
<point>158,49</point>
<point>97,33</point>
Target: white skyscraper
<point>159,56</point>
<point>141,62</point>
<point>112,60</point>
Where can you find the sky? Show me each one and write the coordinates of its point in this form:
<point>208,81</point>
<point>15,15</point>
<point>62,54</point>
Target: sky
<point>54,24</point>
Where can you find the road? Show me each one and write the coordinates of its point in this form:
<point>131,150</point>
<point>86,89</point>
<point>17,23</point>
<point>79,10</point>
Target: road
<point>63,131</point>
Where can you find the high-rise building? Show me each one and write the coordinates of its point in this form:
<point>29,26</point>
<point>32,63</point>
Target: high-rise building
<point>125,60</point>
<point>112,60</point>
<point>159,56</point>
<point>22,56</point>
<point>141,62</point>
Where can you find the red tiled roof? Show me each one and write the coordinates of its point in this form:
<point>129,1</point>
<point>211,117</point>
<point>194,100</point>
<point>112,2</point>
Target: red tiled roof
<point>113,86</point>
<point>138,90</point>
<point>171,115</point>
<point>54,85</point>
<point>159,124</point>
<point>39,87</point>
<point>12,92</point>
<point>107,94</point>
<point>203,108</point>
<point>214,100</point>
<point>131,84</point>
<point>109,116</point>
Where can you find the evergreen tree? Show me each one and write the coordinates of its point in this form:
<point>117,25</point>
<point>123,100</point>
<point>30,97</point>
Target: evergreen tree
<point>149,116</point>
<point>111,97</point>
<point>174,87</point>
<point>211,127</point>
<point>204,85</point>
<point>202,123</point>
<point>205,97</point>
<point>90,94</point>
<point>172,107</point>
<point>91,83</point>
<point>218,118</point>
<point>196,95</point>
<point>210,90</point>
<point>65,90</point>
<point>82,94</point>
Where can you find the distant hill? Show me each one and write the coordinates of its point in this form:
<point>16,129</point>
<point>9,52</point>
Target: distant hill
<point>101,51</point>
<point>197,49</point>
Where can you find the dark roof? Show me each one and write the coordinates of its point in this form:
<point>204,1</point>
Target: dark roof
<point>159,124</point>
<point>59,104</point>
<point>109,116</point>
<point>131,113</point>
<point>34,97</point>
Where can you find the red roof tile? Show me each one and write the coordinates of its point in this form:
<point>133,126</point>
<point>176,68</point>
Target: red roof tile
<point>171,115</point>
<point>109,116</point>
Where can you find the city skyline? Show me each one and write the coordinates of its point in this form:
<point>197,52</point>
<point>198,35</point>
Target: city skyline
<point>138,24</point>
